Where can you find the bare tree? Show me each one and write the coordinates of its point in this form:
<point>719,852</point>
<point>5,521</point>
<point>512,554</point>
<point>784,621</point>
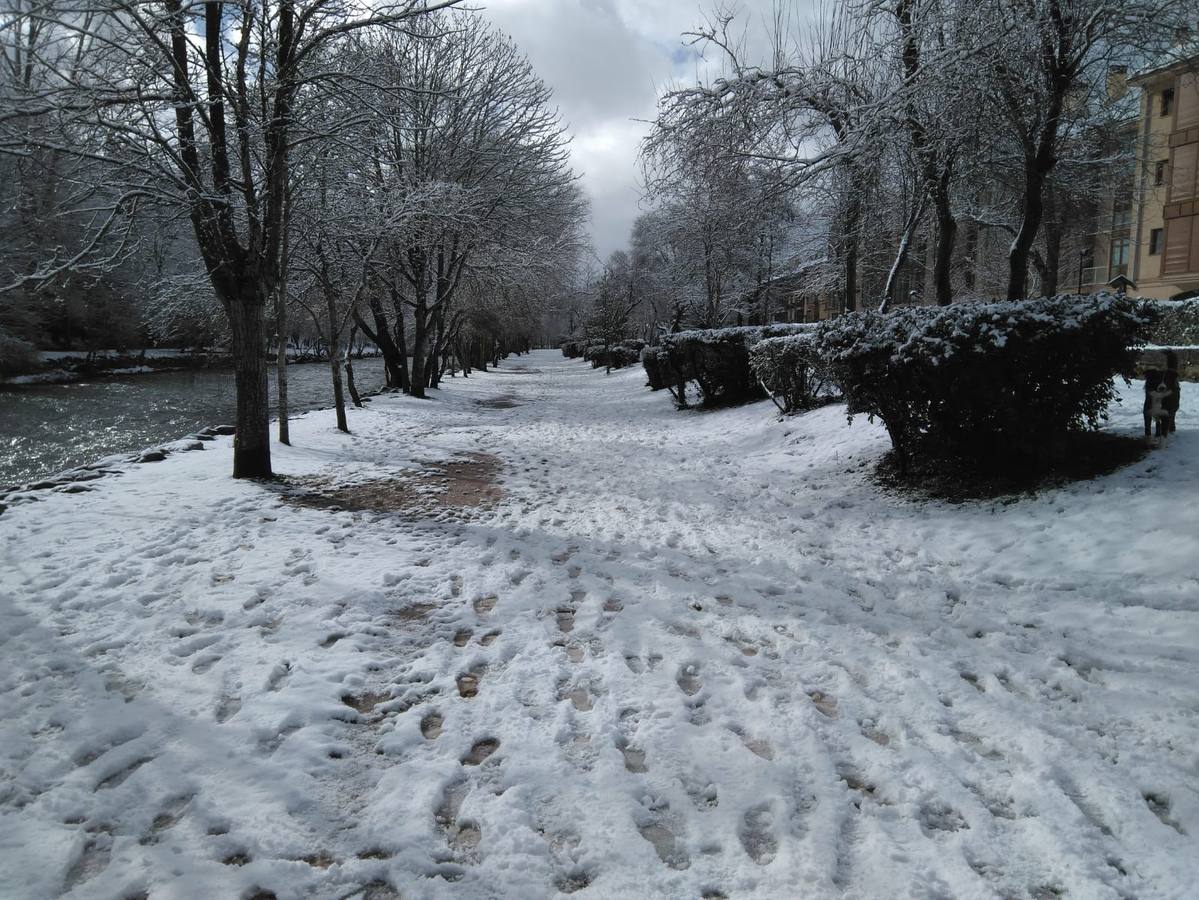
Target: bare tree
<point>197,108</point>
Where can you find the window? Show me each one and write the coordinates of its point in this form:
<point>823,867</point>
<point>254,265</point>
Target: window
<point>1167,101</point>
<point>1118,262</point>
<point>1159,173</point>
<point>1121,214</point>
<point>1155,242</point>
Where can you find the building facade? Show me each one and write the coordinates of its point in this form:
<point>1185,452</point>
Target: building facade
<point>1162,243</point>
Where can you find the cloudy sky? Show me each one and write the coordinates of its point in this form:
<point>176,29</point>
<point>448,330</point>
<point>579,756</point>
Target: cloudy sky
<point>607,61</point>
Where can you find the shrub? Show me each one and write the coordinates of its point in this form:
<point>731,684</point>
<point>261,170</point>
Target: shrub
<point>716,359</point>
<point>790,370</point>
<point>998,385</point>
<point>593,353</point>
<point>1176,323</point>
<point>572,349</point>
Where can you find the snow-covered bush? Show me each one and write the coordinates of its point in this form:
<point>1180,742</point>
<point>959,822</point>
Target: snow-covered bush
<point>593,352</point>
<point>716,359</point>
<point>992,384</point>
<point>789,369</point>
<point>1176,323</point>
<point>617,356</point>
<point>572,349</point>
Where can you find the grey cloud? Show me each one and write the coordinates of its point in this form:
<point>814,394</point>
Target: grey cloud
<point>607,60</point>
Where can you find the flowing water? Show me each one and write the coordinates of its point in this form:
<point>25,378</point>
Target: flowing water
<point>45,428</point>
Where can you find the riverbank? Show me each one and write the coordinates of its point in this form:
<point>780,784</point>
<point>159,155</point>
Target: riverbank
<point>545,634</point>
<point>47,428</point>
<point>70,366</point>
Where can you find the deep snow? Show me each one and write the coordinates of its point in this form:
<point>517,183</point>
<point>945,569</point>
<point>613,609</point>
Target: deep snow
<point>717,661</point>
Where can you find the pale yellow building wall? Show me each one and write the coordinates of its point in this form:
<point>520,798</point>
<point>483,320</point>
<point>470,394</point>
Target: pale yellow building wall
<point>1153,145</point>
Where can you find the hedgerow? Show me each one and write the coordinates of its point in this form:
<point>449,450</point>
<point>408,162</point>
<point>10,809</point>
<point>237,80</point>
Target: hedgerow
<point>1176,323</point>
<point>716,360</point>
<point>790,370</point>
<point>993,384</point>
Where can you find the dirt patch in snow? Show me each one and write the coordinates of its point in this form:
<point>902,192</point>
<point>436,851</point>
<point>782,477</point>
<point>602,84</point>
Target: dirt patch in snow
<point>459,485</point>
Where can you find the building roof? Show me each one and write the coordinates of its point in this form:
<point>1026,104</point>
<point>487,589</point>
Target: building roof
<point>1185,54</point>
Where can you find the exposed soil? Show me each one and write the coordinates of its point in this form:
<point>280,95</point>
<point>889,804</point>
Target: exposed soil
<point>459,485</point>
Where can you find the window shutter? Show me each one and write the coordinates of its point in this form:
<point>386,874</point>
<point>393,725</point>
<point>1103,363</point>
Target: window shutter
<point>1183,174</point>
<point>1176,259</point>
<point>1186,101</point>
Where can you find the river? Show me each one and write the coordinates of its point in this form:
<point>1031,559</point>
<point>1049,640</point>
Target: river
<point>45,428</point>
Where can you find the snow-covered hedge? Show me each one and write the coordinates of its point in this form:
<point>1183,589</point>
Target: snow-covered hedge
<point>572,349</point>
<point>1176,323</point>
<point>716,359</point>
<point>790,370</point>
<point>994,384</point>
<point>616,356</point>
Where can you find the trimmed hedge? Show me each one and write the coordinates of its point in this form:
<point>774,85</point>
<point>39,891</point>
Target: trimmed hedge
<point>993,384</point>
<point>1176,323</point>
<point>572,349</point>
<point>615,357</point>
<point>716,359</point>
<point>790,370</point>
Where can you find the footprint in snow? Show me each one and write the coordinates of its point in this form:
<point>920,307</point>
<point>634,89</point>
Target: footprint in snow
<point>634,757</point>
<point>823,702</point>
<point>206,662</point>
<point>688,679</point>
<point>1159,805</point>
<point>92,860</point>
<point>279,676</point>
<point>666,845</point>
<point>120,775</point>
<point>462,837</point>
<point>468,683</point>
<point>565,617</point>
<point>480,751</point>
<point>430,725</point>
<point>578,696</point>
<point>168,818</point>
<point>488,639</point>
<point>462,637</point>
<point>227,707</point>
<point>757,834</point>
<point>485,604</point>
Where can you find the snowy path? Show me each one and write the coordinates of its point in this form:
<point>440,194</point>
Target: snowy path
<point>687,655</point>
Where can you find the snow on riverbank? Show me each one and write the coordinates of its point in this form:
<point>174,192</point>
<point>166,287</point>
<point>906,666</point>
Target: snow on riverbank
<point>685,655</point>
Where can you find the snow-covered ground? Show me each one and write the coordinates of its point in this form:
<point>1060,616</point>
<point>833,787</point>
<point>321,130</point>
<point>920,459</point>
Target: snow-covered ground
<point>704,657</point>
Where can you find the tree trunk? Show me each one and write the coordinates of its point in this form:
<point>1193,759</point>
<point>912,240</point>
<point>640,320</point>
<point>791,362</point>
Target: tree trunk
<point>355,397</point>
<point>420,350</point>
<point>281,364</point>
<point>1032,207</point>
<point>401,340</point>
<point>901,254</point>
<point>1053,245</point>
<point>339,399</point>
<point>947,238</point>
<point>247,324</point>
<point>394,364</point>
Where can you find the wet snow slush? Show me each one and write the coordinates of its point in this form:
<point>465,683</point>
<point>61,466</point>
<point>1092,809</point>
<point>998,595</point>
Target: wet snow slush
<point>546,635</point>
